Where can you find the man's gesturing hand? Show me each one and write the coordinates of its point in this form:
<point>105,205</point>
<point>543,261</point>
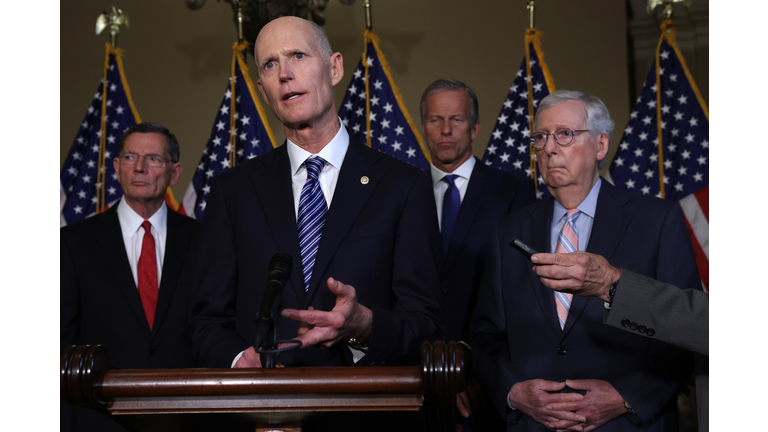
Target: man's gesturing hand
<point>347,319</point>
<point>532,397</point>
<point>580,273</point>
<point>601,403</point>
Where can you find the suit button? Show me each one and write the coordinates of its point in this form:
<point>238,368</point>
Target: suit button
<point>641,329</point>
<point>650,332</point>
<point>625,322</point>
<point>561,350</point>
<point>633,325</point>
<point>152,352</point>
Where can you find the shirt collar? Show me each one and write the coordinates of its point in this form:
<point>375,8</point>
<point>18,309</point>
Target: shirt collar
<point>333,152</point>
<point>464,170</point>
<point>130,221</point>
<point>587,206</point>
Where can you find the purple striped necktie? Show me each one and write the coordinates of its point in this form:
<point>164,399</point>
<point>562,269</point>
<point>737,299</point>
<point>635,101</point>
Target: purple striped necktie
<point>311,218</point>
<point>567,242</point>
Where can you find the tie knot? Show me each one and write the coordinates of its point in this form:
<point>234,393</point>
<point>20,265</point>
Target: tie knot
<point>449,179</point>
<point>313,166</point>
<point>573,214</point>
<point>146,225</point>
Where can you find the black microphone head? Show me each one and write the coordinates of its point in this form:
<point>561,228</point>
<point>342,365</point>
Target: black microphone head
<point>280,267</point>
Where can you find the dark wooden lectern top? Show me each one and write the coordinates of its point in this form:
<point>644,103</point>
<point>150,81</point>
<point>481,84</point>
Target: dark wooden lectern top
<point>87,380</point>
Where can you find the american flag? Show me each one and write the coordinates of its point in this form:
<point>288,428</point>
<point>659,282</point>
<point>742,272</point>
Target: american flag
<point>670,103</point>
<point>379,109</point>
<point>240,132</point>
<point>89,163</point>
<point>509,147</point>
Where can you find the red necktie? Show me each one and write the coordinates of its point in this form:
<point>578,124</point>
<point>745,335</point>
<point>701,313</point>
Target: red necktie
<point>146,273</point>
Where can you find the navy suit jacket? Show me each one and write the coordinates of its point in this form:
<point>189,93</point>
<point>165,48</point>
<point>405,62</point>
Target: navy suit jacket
<point>100,302</point>
<point>375,239</point>
<point>515,331</point>
<point>491,194</point>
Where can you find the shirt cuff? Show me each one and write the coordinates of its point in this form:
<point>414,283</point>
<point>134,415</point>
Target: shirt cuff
<point>357,354</point>
<point>234,362</point>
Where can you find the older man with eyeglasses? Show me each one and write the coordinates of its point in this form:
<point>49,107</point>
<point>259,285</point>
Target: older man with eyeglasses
<point>545,357</point>
<point>126,273</point>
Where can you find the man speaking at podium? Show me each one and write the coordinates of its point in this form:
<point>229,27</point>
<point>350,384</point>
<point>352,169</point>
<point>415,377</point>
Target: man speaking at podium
<point>363,290</point>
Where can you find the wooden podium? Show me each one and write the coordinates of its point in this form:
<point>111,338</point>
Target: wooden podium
<point>270,399</point>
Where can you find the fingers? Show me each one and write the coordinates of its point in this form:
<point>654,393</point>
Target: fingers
<point>562,398</point>
<point>559,283</point>
<point>323,336</point>
<point>549,385</point>
<point>568,416</point>
<point>340,289</point>
<point>565,406</point>
<point>304,327</point>
<point>314,317</point>
<point>564,426</point>
<point>462,403</point>
<point>581,384</point>
<point>549,258</point>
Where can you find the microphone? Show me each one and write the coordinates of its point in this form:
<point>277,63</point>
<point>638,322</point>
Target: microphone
<point>278,272</point>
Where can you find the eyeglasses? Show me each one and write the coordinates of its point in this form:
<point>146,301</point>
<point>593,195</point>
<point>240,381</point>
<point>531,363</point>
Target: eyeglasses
<point>152,160</point>
<point>563,137</point>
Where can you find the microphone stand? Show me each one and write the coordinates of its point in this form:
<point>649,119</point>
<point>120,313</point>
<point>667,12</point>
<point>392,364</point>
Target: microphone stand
<point>270,346</point>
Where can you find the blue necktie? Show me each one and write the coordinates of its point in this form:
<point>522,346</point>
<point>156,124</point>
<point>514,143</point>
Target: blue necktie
<point>451,204</point>
<point>311,219</point>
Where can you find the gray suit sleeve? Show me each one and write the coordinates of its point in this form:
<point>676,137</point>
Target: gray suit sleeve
<point>679,317</point>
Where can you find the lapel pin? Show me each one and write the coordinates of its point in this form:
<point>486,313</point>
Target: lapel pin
<point>364,180</point>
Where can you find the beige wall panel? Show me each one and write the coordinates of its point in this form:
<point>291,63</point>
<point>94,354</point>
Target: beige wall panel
<point>177,60</point>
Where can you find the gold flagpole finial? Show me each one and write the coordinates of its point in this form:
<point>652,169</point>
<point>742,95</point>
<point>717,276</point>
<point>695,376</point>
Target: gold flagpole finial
<point>368,21</point>
<point>652,4</point>
<point>114,20</point>
<point>239,4</point>
<point>530,6</point>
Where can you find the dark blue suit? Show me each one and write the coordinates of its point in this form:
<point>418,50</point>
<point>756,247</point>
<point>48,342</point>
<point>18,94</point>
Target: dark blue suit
<point>375,239</point>
<point>491,195</point>
<point>516,335</point>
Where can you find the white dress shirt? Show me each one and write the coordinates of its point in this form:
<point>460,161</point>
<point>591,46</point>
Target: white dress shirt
<point>333,153</point>
<point>133,235</point>
<point>464,172</point>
